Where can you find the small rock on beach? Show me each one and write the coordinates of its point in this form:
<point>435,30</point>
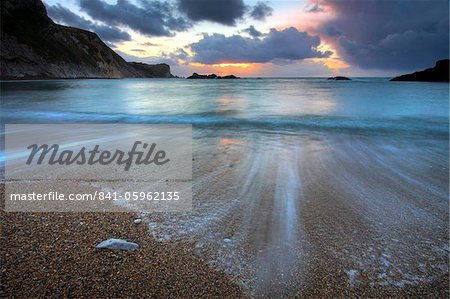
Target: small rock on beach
<point>119,244</point>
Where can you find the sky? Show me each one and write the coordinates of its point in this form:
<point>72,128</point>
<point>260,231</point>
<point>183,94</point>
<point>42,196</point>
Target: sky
<point>275,38</point>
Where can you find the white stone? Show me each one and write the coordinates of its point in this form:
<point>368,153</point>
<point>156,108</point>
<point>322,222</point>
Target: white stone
<point>119,244</point>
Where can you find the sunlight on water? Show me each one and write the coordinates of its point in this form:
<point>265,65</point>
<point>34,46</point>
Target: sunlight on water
<point>249,103</point>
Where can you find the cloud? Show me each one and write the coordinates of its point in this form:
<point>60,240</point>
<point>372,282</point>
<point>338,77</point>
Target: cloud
<point>154,18</point>
<point>313,7</point>
<point>260,11</point>
<point>398,35</point>
<point>332,31</point>
<point>225,12</point>
<point>277,46</point>
<point>252,31</point>
<point>107,33</point>
<point>149,44</point>
<point>178,56</point>
<point>147,59</point>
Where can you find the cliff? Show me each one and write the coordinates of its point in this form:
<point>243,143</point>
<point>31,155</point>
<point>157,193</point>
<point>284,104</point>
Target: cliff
<point>439,73</point>
<point>32,46</point>
<point>161,70</point>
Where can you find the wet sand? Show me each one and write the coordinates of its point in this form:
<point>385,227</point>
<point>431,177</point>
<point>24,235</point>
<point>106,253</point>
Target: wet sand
<point>287,215</point>
<point>327,215</point>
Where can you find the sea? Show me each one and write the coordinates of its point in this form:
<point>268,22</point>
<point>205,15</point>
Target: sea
<point>363,105</point>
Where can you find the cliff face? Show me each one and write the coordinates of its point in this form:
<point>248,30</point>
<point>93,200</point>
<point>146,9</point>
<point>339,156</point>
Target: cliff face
<point>161,70</point>
<point>439,73</point>
<point>32,46</point>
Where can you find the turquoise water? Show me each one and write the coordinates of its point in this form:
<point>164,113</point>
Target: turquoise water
<point>369,105</point>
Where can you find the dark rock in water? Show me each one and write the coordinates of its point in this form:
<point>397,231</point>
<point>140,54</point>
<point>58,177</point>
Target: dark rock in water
<point>32,46</point>
<point>228,77</point>
<point>339,78</point>
<point>198,76</point>
<point>211,76</point>
<point>439,73</point>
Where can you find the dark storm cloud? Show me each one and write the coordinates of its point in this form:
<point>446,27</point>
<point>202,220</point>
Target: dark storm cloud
<point>400,34</point>
<point>260,11</point>
<point>155,18</point>
<point>60,14</point>
<point>332,31</point>
<point>252,31</point>
<point>176,56</point>
<point>225,12</point>
<point>285,45</point>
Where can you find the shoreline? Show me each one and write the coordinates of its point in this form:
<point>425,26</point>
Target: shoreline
<point>278,210</point>
<point>124,78</point>
<point>247,235</point>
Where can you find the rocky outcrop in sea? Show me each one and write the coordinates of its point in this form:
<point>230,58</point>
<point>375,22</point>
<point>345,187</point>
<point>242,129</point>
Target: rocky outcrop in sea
<point>211,76</point>
<point>438,73</point>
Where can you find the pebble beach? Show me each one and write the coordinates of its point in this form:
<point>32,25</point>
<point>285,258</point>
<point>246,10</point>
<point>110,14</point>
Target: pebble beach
<point>54,255</point>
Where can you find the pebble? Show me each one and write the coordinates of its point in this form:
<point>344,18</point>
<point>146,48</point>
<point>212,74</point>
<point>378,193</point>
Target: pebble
<point>165,238</point>
<point>153,225</point>
<point>119,244</point>
<point>137,221</point>
<point>352,276</point>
